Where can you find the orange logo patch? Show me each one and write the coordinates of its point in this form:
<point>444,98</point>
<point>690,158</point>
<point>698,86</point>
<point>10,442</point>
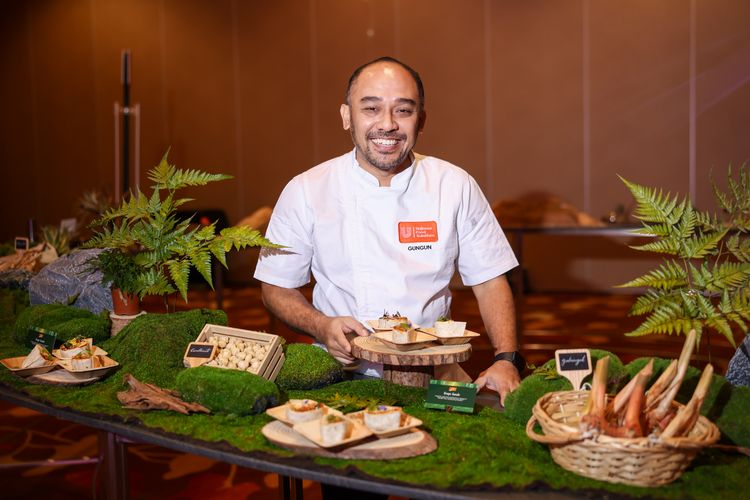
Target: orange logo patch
<point>417,232</point>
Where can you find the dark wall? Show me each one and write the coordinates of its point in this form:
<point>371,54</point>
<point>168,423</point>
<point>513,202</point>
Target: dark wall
<point>556,96</point>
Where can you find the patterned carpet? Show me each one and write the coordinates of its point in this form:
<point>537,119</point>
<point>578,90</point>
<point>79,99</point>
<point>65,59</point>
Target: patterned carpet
<point>550,321</point>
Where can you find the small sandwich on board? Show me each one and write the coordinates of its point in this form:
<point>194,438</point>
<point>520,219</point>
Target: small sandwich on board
<point>39,356</point>
<point>403,333</point>
<point>334,429</point>
<point>303,410</point>
<point>382,418</point>
<point>84,360</point>
<point>391,320</point>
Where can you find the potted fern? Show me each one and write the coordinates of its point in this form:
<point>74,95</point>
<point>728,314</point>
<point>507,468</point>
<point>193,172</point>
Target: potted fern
<point>703,281</point>
<point>163,247</point>
<point>120,272</point>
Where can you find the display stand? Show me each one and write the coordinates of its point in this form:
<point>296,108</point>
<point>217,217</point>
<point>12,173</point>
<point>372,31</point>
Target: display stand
<point>412,368</point>
<point>119,322</point>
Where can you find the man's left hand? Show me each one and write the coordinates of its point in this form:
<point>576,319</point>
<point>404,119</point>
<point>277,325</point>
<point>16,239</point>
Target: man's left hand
<point>502,377</point>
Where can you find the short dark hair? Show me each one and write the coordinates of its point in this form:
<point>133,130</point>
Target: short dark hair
<point>414,75</point>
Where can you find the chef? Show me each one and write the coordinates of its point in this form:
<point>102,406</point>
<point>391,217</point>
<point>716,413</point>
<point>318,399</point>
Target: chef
<point>383,228</point>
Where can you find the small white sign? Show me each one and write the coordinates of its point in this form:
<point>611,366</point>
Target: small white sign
<point>69,225</point>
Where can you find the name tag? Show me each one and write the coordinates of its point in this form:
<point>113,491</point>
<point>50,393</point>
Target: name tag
<point>417,232</point>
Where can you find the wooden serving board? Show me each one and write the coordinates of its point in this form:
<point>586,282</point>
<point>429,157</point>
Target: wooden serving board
<point>410,444</point>
<point>371,349</point>
<point>412,368</point>
<point>62,377</point>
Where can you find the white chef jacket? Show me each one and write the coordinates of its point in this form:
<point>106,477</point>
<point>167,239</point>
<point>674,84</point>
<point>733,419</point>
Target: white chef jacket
<point>373,249</point>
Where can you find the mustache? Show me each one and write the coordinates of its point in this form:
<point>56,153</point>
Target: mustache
<point>386,136</point>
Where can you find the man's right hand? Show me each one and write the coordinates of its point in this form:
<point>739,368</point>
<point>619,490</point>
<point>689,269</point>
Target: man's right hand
<point>333,331</point>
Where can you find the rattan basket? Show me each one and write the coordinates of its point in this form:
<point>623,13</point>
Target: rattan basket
<point>643,461</point>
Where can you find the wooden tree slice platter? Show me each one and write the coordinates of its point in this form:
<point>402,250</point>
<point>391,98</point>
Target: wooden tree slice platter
<point>62,377</point>
<point>411,444</point>
<point>412,368</point>
<point>371,349</point>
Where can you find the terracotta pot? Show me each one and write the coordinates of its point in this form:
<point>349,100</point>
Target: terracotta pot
<point>125,304</point>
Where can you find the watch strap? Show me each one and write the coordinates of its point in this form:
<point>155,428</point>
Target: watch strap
<point>514,357</point>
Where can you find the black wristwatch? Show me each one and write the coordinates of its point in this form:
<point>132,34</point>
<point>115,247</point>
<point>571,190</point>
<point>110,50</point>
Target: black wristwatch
<point>514,357</point>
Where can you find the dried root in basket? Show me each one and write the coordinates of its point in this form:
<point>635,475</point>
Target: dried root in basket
<point>635,412</point>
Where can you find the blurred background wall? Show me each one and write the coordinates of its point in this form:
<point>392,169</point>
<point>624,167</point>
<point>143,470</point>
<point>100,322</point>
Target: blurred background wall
<point>555,96</point>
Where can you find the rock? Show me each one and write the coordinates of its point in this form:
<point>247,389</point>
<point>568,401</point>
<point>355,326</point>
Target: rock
<point>15,278</point>
<point>738,371</point>
<point>68,278</point>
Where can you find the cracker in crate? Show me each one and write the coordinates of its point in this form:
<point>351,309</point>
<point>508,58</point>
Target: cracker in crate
<point>238,354</point>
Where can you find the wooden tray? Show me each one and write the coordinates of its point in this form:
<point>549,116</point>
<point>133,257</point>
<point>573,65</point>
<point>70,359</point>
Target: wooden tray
<point>311,431</point>
<point>407,424</point>
<point>373,323</point>
<point>271,364</point>
<point>450,340</point>
<point>108,364</point>
<point>14,365</point>
<point>421,340</point>
<point>279,412</point>
<point>411,444</point>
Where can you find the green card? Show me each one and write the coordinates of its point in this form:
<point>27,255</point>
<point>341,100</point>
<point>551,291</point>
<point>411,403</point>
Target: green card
<point>40,336</point>
<point>451,396</point>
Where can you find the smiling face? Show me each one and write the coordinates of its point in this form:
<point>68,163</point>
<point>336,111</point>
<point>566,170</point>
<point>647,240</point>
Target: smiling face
<point>384,117</point>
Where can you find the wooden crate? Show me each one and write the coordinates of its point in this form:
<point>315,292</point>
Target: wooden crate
<point>274,358</point>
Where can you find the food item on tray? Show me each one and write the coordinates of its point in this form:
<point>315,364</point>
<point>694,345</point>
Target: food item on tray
<point>383,418</point>
<point>303,410</point>
<point>445,327</point>
<point>238,354</point>
<point>334,429</point>
<point>84,360</point>
<point>74,346</point>
<point>403,333</point>
<point>391,320</point>
<point>39,356</point>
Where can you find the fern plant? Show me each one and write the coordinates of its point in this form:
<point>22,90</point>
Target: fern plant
<point>703,280</point>
<point>164,247</point>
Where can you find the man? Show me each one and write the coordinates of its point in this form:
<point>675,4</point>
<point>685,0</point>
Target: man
<point>383,228</point>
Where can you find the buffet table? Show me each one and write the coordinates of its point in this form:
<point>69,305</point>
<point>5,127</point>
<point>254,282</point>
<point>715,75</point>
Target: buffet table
<point>115,434</point>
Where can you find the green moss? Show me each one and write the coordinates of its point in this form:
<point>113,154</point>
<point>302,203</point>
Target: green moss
<point>731,412</point>
<point>66,321</point>
<point>153,345</point>
<point>308,367</point>
<point>519,403</point>
<point>227,391</point>
<point>12,302</point>
<point>485,451</point>
<point>367,389</point>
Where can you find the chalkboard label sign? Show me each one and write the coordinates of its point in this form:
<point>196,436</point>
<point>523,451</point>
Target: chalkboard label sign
<point>570,361</point>
<point>42,337</point>
<point>21,244</point>
<point>573,364</point>
<point>199,353</point>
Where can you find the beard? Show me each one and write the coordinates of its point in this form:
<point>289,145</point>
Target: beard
<point>386,165</point>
